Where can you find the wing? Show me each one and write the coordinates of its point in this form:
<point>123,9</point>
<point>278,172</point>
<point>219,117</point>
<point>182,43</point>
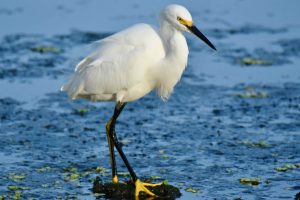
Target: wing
<point>118,63</point>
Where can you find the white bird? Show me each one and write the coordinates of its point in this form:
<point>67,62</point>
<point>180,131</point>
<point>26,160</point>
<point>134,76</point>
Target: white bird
<point>129,64</point>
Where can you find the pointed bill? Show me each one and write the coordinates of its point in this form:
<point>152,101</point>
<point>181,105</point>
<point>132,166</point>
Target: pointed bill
<point>198,33</point>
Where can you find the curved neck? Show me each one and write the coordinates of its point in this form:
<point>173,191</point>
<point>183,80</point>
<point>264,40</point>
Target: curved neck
<point>176,49</point>
<point>176,55</point>
<point>166,32</point>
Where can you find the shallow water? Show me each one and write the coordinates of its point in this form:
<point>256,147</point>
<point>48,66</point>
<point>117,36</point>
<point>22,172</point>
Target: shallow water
<point>226,120</point>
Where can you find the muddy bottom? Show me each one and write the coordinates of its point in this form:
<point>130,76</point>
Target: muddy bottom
<point>127,190</point>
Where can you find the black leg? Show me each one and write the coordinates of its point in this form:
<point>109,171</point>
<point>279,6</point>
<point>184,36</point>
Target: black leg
<point>112,134</point>
<point>112,155</point>
<point>110,143</point>
<point>139,185</point>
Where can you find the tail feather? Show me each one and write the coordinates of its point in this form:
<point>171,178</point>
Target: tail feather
<point>73,87</point>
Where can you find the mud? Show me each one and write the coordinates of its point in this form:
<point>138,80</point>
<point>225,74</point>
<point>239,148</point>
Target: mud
<point>127,190</point>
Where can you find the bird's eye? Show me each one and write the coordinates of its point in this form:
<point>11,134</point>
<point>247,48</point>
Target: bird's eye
<point>179,18</point>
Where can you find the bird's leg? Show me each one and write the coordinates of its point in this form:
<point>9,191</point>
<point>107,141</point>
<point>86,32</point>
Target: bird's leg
<point>139,185</point>
<point>110,127</point>
<point>112,135</point>
<point>112,154</point>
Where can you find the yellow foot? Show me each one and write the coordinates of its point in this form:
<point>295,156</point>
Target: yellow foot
<point>140,186</point>
<point>115,179</point>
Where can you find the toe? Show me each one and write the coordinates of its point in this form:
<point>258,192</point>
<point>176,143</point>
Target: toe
<point>140,186</point>
<point>115,179</point>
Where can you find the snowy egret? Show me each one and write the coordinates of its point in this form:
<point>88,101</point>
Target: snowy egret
<point>128,65</point>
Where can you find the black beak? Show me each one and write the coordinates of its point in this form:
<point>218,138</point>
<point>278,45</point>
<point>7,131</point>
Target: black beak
<point>196,31</point>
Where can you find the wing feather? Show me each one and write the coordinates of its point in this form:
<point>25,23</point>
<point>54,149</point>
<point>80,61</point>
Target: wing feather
<point>118,63</point>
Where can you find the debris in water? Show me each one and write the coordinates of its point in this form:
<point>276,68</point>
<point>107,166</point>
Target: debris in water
<point>82,111</point>
<point>254,61</point>
<point>192,190</point>
<point>16,177</point>
<point>287,167</point>
<point>251,93</point>
<point>15,187</point>
<point>252,181</point>
<point>43,169</point>
<point>45,49</point>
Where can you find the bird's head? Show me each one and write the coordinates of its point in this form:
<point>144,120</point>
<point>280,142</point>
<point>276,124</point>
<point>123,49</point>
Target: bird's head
<point>180,18</point>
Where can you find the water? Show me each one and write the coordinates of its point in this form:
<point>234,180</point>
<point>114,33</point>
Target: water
<point>225,120</point>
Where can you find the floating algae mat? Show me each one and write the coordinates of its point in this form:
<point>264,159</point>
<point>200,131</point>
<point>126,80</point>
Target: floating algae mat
<point>254,61</point>
<point>126,190</point>
<point>252,181</point>
<point>45,49</point>
<point>287,167</point>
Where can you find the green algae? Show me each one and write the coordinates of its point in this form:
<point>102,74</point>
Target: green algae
<point>45,49</point>
<point>252,181</point>
<point>287,167</point>
<point>192,190</point>
<point>43,169</point>
<point>82,111</point>
<point>155,177</point>
<point>72,177</point>
<point>16,177</point>
<point>124,174</point>
<point>251,93</point>
<point>70,169</point>
<point>15,187</point>
<point>254,61</point>
<point>101,169</point>
<point>17,195</point>
<point>164,157</point>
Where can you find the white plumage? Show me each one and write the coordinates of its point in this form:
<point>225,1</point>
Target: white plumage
<point>129,64</point>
